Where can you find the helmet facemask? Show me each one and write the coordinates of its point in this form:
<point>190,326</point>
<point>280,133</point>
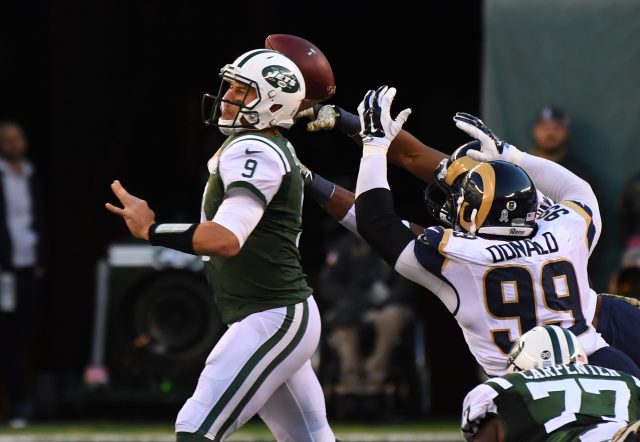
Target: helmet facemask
<point>440,196</point>
<point>213,105</point>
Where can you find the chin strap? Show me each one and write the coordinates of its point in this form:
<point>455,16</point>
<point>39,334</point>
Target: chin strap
<point>473,228</point>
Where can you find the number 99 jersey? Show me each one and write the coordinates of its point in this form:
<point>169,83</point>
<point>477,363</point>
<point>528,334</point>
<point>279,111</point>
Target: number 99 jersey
<point>506,287</point>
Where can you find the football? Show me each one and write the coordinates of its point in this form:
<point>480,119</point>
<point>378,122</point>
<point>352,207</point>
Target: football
<point>316,69</point>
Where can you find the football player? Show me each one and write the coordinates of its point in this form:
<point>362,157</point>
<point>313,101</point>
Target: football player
<point>551,393</point>
<point>615,317</point>
<point>248,235</point>
<point>499,271</point>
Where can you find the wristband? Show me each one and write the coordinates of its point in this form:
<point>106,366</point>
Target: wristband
<point>174,236</point>
<point>321,190</point>
<point>348,123</point>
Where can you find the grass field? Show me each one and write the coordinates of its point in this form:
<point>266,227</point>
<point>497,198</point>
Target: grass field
<point>252,432</point>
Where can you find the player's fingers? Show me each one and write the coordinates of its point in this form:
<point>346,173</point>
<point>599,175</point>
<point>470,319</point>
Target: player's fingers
<point>316,125</point>
<point>307,113</point>
<point>380,94</point>
<point>477,155</point>
<point>402,116</point>
<point>366,102</point>
<point>469,128</point>
<point>113,209</point>
<point>463,117</point>
<point>121,192</point>
<point>387,98</point>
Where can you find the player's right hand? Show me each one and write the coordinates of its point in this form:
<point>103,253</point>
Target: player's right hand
<point>323,117</point>
<point>491,145</point>
<point>379,128</point>
<point>135,211</point>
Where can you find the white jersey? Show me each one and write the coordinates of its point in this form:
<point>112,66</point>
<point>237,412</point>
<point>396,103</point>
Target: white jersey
<point>505,288</point>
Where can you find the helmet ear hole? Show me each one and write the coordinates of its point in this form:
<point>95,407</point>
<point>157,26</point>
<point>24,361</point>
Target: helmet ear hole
<point>275,108</point>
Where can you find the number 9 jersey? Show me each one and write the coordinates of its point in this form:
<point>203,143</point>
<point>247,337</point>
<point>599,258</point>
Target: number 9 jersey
<point>504,288</point>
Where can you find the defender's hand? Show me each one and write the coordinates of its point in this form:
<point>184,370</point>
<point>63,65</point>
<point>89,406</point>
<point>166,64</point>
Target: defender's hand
<point>492,146</point>
<point>322,117</point>
<point>379,129</point>
<point>136,212</point>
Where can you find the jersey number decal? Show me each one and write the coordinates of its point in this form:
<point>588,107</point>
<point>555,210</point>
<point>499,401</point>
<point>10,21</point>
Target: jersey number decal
<point>572,391</point>
<point>250,166</point>
<point>509,294</point>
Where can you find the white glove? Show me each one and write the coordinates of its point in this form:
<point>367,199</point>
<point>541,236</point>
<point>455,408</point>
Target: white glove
<point>378,128</point>
<point>492,147</point>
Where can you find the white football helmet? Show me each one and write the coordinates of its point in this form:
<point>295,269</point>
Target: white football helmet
<point>280,90</point>
<point>545,346</point>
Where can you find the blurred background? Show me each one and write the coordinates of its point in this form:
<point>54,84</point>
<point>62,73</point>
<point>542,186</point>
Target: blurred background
<point>105,89</point>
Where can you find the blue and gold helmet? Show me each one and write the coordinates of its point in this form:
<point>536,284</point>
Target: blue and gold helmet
<point>496,198</point>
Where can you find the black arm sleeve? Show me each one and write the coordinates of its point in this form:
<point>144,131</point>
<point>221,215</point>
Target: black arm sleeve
<point>380,226</point>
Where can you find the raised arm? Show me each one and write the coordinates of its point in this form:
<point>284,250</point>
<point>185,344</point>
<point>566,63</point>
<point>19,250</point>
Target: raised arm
<point>405,151</point>
<point>337,201</point>
<point>416,259</point>
<point>553,180</point>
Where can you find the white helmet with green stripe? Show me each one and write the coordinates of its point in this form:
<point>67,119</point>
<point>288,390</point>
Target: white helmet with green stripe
<point>545,346</point>
<point>279,86</point>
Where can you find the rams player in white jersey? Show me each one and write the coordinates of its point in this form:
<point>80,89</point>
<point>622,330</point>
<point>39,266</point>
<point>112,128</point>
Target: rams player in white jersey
<point>615,317</point>
<point>500,270</point>
<point>248,234</point>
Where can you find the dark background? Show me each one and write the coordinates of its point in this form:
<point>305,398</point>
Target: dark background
<point>111,90</point>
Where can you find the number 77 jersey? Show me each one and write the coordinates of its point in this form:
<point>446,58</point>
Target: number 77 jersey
<point>507,287</point>
<point>561,403</point>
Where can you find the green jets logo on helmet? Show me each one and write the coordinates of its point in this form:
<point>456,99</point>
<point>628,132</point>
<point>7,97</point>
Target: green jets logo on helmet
<point>279,76</point>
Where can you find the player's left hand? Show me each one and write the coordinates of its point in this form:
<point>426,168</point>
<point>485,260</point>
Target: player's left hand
<point>135,211</point>
<point>492,146</point>
<point>379,129</point>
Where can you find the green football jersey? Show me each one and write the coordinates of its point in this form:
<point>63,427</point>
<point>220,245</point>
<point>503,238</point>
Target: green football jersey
<point>554,404</point>
<point>267,272</point>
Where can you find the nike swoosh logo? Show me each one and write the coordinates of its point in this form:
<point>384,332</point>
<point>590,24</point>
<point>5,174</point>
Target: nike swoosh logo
<point>249,152</point>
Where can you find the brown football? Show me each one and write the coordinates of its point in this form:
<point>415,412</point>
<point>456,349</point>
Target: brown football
<point>316,69</point>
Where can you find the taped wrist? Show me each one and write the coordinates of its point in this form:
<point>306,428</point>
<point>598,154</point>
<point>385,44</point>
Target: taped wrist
<point>320,190</point>
<point>374,149</point>
<point>348,123</point>
<point>174,236</point>
<point>511,153</point>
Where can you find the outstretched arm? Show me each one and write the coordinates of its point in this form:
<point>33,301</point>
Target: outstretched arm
<point>337,201</point>
<point>417,158</point>
<point>552,179</point>
<point>415,259</point>
<point>405,151</point>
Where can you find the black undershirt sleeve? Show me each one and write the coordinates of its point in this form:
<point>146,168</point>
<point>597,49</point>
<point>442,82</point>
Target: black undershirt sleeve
<point>380,226</point>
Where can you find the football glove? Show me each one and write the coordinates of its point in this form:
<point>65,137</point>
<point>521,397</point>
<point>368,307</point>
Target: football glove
<point>492,147</point>
<point>475,127</point>
<point>323,117</point>
<point>378,128</point>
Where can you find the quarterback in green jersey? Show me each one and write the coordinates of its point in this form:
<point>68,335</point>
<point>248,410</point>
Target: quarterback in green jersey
<point>551,394</point>
<point>248,236</point>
